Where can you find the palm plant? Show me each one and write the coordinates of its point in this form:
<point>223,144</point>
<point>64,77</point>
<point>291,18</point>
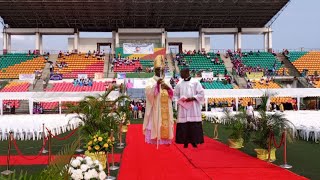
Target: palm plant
<point>98,113</point>
<point>269,123</point>
<point>238,124</point>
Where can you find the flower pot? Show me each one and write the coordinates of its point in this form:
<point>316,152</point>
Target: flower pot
<point>235,143</point>
<point>124,128</point>
<point>100,156</point>
<point>263,154</point>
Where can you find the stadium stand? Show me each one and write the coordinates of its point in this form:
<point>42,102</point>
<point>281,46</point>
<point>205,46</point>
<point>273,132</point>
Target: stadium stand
<point>258,84</point>
<point>79,64</point>
<point>15,87</point>
<point>262,59</point>
<point>69,87</point>
<point>295,55</point>
<point>216,85</point>
<point>14,64</point>
<point>200,62</point>
<point>309,61</point>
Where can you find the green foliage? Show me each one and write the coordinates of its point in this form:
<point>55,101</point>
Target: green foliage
<point>237,124</point>
<point>98,113</point>
<point>267,124</point>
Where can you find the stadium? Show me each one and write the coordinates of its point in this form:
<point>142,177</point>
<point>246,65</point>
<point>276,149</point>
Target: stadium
<point>64,91</point>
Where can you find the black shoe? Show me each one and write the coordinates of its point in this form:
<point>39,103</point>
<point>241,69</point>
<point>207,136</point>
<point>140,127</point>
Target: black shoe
<point>194,145</point>
<point>185,145</point>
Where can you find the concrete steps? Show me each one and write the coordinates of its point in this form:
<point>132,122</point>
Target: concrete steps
<point>227,63</point>
<point>170,64</point>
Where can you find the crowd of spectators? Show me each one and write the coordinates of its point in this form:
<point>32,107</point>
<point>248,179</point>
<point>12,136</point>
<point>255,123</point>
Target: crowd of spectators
<point>82,82</point>
<point>241,69</point>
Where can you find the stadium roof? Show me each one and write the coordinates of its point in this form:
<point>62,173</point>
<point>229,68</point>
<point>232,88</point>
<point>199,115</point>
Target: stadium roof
<point>107,15</point>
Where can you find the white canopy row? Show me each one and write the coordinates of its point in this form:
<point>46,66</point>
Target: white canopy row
<point>50,97</point>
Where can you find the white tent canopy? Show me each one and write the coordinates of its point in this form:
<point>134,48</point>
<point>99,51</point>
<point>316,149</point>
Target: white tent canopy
<point>53,96</point>
<point>50,97</point>
<point>285,92</point>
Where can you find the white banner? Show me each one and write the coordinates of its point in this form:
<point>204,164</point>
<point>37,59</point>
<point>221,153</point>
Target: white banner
<point>137,48</point>
<point>27,77</point>
<point>82,76</point>
<point>207,74</point>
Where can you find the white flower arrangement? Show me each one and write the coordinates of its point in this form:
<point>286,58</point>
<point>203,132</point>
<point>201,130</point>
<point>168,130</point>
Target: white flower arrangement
<point>84,168</point>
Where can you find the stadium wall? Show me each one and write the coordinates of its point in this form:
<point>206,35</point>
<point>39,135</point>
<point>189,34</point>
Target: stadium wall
<point>188,43</point>
<point>86,44</point>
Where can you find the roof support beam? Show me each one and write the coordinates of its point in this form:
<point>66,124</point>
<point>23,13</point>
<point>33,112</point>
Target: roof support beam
<point>45,31</point>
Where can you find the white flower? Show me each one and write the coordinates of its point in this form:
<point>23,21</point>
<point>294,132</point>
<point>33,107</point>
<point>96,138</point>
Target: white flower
<point>75,163</point>
<point>102,175</point>
<point>77,174</point>
<point>100,167</point>
<point>84,167</point>
<point>79,158</point>
<point>96,162</point>
<point>89,162</point>
<point>94,173</point>
<point>87,158</point>
<point>87,176</point>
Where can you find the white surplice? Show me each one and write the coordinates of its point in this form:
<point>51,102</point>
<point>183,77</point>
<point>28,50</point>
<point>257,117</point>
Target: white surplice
<point>189,89</point>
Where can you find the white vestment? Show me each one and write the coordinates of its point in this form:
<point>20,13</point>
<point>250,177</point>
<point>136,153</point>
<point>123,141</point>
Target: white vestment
<point>153,116</point>
<point>189,89</point>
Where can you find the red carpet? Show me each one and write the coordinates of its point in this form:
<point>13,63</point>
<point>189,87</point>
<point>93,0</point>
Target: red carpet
<point>212,160</point>
<point>41,160</point>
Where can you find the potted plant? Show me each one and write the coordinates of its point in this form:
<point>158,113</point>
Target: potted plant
<point>268,124</point>
<point>98,146</point>
<point>237,123</point>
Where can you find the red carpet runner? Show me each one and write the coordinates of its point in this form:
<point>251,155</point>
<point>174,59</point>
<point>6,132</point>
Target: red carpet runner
<point>212,160</point>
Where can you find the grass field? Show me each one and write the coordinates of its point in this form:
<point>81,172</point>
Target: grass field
<point>302,155</point>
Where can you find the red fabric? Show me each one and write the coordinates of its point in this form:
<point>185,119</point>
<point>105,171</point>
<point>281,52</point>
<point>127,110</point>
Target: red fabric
<point>211,160</point>
<point>41,160</point>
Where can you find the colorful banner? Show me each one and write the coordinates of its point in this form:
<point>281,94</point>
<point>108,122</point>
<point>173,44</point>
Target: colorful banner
<point>138,48</point>
<point>27,77</point>
<point>56,77</point>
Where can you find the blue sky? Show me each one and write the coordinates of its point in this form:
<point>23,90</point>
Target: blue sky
<point>298,26</point>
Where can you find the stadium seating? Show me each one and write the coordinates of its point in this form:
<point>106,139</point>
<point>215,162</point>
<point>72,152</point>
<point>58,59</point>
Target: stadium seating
<point>309,61</point>
<point>221,100</point>
<point>119,67</point>
<point>216,85</point>
<point>146,63</point>
<point>15,87</point>
<point>78,64</point>
<point>293,56</point>
<point>264,60</point>
<point>258,85</point>
<point>199,62</point>
<point>14,64</point>
<point>69,87</point>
